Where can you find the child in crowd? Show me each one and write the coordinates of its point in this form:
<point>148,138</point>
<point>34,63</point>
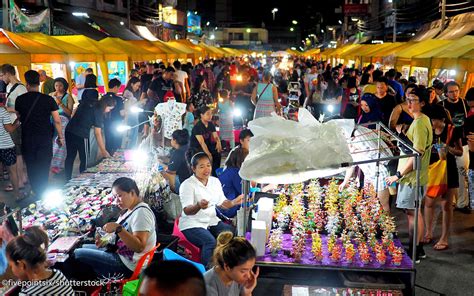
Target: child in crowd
<point>27,258</point>
<point>232,274</point>
<point>189,118</point>
<point>226,118</point>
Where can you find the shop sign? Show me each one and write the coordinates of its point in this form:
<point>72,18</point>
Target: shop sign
<point>355,9</point>
<point>194,23</point>
<point>21,23</point>
<point>170,15</point>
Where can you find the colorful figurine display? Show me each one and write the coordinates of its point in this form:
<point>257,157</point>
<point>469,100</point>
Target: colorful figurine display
<point>317,247</point>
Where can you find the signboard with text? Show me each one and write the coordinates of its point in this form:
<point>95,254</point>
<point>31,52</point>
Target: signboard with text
<point>355,9</point>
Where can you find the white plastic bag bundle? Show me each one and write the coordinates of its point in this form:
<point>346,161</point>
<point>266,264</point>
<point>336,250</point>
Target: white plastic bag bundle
<point>285,151</point>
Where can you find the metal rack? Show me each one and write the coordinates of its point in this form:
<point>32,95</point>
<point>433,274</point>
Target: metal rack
<point>381,128</point>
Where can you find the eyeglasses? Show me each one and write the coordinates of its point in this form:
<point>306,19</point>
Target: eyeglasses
<point>413,101</point>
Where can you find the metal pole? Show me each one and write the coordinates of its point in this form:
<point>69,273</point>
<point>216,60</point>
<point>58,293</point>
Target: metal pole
<point>245,191</point>
<point>417,208</point>
<point>394,24</point>
<point>377,172</point>
<point>129,23</point>
<point>6,10</point>
<point>443,14</point>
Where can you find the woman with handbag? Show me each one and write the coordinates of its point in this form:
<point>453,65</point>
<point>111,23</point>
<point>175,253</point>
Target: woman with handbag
<point>443,180</point>
<point>134,235</point>
<point>265,97</point>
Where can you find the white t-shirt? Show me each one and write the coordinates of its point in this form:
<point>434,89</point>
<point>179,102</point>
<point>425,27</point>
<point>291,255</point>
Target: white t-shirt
<point>140,220</point>
<point>191,192</point>
<point>80,79</point>
<point>5,138</point>
<point>11,97</point>
<point>309,79</point>
<point>181,76</point>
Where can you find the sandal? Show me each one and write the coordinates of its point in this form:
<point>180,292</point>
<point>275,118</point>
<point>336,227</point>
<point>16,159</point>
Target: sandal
<point>9,188</point>
<point>427,240</point>
<point>440,246</point>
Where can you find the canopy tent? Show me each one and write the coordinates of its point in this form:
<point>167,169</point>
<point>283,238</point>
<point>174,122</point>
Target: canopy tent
<point>325,54</point>
<point>190,52</point>
<point>403,56</point>
<point>174,52</point>
<point>213,51</point>
<point>129,49</point>
<point>459,26</point>
<point>366,56</point>
<point>313,52</point>
<point>467,61</point>
<point>446,56</point>
<point>385,56</point>
<point>293,52</point>
<point>428,31</point>
<point>161,51</point>
<point>74,53</point>
<point>193,46</point>
<point>39,53</point>
<point>104,53</point>
<point>356,52</point>
<point>12,55</point>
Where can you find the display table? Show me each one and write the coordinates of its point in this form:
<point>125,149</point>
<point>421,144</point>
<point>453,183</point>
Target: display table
<point>293,290</point>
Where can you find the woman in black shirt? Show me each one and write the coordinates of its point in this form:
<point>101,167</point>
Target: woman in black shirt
<point>201,139</point>
<point>89,113</point>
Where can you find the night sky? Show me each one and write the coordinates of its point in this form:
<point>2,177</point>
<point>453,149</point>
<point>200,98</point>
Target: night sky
<point>304,11</point>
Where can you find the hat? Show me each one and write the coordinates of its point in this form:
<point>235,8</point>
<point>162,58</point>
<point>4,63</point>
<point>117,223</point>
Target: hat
<point>168,95</point>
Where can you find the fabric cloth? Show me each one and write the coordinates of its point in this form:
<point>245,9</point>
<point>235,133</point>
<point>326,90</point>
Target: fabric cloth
<point>193,191</point>
<point>265,103</point>
<point>171,113</point>
<point>397,86</point>
<point>215,287</point>
<point>232,188</point>
<point>201,99</point>
<point>8,156</point>
<point>39,121</point>
<point>37,153</point>
<point>406,195</point>
<point>74,145</point>
<point>80,79</point>
<point>59,152</point>
<point>56,284</point>
<point>112,120</point>
<point>141,219</point>
<point>178,163</point>
<point>463,167</point>
<point>87,115</point>
<point>226,122</point>
<point>420,134</point>
<point>205,239</point>
<point>105,264</point>
<point>452,171</point>
<point>375,115</point>
<point>160,87</point>
<point>189,122</point>
<point>48,86</point>
<point>5,138</point>
<point>387,104</point>
<point>12,94</point>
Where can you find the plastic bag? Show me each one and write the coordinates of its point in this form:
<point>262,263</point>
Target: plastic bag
<point>285,151</point>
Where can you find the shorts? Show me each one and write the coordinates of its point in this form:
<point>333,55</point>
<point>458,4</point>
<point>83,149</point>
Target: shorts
<point>406,196</point>
<point>8,156</point>
<point>16,137</point>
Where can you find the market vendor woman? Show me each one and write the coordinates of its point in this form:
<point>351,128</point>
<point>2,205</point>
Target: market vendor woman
<point>134,230</point>
<point>199,195</point>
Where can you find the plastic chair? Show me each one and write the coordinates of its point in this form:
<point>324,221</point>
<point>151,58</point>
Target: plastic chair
<point>170,255</point>
<point>141,262</point>
<point>195,252</point>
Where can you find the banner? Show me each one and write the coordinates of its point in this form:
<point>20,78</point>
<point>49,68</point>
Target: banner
<point>20,22</point>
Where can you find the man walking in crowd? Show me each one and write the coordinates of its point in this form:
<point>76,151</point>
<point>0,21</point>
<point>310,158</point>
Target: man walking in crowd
<point>183,78</point>
<point>14,89</point>
<point>113,119</point>
<point>47,86</point>
<point>80,80</point>
<point>458,110</point>
<point>159,87</point>
<point>397,87</point>
<point>35,110</point>
<point>386,101</point>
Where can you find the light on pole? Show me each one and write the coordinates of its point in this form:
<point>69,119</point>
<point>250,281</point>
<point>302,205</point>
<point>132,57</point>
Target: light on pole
<point>294,22</point>
<point>274,11</point>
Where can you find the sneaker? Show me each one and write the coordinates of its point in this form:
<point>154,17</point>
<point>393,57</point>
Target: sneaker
<point>420,252</point>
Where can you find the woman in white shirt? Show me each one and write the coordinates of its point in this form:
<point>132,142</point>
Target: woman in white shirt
<point>200,195</point>
<point>131,96</point>
<point>135,234</point>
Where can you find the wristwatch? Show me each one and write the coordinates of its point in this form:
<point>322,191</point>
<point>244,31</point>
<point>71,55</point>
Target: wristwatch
<point>399,175</point>
<point>118,229</point>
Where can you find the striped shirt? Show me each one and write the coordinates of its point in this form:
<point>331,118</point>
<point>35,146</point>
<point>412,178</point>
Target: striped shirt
<point>5,138</point>
<point>57,284</point>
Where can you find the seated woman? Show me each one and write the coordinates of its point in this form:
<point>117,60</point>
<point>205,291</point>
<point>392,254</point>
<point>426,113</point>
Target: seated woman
<point>232,272</point>
<point>230,178</point>
<point>26,256</point>
<point>135,234</point>
<point>178,170</point>
<point>200,195</point>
